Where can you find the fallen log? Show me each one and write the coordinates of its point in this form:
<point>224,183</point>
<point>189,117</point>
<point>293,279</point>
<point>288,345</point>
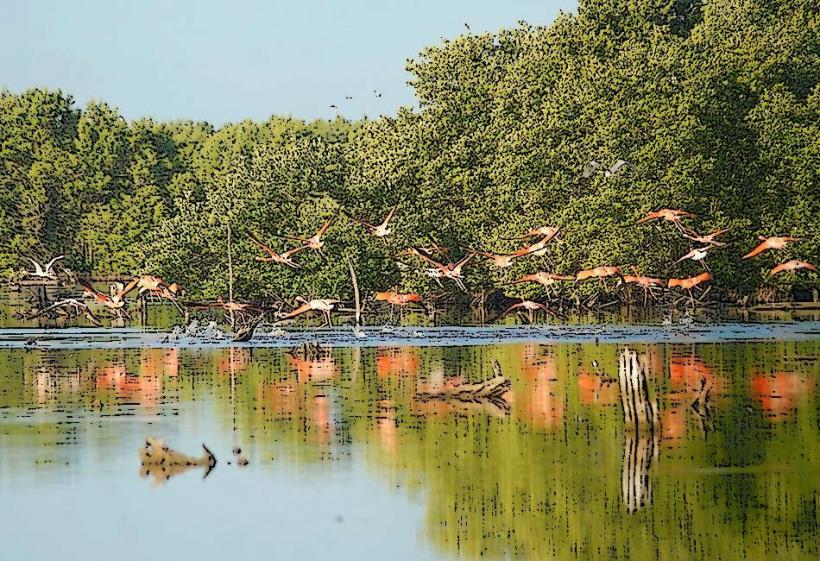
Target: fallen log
<point>490,390</point>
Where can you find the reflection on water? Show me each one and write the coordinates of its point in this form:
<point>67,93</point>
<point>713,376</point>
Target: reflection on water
<point>343,453</point>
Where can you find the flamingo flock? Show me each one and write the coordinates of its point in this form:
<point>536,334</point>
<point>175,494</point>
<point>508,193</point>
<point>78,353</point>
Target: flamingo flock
<point>437,264</point>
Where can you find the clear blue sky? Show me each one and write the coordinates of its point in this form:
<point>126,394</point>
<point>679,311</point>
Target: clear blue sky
<point>228,60</point>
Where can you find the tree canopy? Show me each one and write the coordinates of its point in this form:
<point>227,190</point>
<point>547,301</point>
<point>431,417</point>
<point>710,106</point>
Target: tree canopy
<point>715,104</point>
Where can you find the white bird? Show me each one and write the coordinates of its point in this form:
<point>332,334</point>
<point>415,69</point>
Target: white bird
<point>47,272</point>
<point>595,166</point>
<point>697,254</point>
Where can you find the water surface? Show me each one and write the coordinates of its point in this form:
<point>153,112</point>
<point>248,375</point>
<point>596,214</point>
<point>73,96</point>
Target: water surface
<point>346,463</point>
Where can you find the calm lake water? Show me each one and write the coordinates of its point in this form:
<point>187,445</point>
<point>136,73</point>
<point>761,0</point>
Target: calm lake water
<point>344,462</point>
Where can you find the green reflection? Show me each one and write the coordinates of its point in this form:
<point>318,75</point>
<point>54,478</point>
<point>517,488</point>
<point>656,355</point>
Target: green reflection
<point>556,476</point>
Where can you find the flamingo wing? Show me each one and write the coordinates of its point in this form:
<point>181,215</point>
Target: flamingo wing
<point>294,251</point>
<point>650,216</point>
<point>760,248</point>
<point>267,249</point>
<point>389,216</point>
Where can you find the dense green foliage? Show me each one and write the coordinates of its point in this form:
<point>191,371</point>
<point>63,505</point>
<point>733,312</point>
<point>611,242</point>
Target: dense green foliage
<point>715,104</point>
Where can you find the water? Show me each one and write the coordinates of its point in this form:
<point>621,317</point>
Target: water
<point>345,463</point>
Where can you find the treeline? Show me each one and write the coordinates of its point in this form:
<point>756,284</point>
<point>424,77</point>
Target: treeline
<point>716,106</point>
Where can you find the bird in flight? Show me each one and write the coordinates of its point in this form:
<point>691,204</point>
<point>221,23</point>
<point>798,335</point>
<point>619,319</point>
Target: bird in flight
<point>274,257</point>
<point>398,298</point>
<point>647,284</point>
<point>697,254</point>
<point>544,278</point>
<point>774,242</point>
<point>452,271</point>
<point>595,166</point>
<point>668,214</point>
<point>548,231</point>
<point>598,273</point>
<point>68,307</point>
<point>690,282</point>
<point>500,260</point>
<point>114,302</point>
<point>44,272</point>
<point>530,306</point>
<point>323,305</point>
<point>379,230</point>
<point>708,239</point>
<point>313,242</point>
<point>792,265</point>
<point>539,248</point>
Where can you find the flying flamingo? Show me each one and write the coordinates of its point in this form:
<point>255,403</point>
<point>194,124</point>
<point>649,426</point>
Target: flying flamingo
<point>544,278</point>
<point>500,260</point>
<point>151,284</point>
<point>549,231</point>
<point>313,242</point>
<point>691,282</point>
<point>323,305</point>
<point>379,230</point>
<point>530,307</point>
<point>273,257</point>
<point>775,242</point>
<point>44,272</point>
<point>792,265</point>
<point>452,271</point>
<point>598,273</point>
<point>398,299</point>
<point>697,254</point>
<point>114,302</point>
<point>671,215</point>
<point>647,284</point>
<point>707,239</point>
<point>68,307</point>
<point>539,248</point>
<point>547,280</point>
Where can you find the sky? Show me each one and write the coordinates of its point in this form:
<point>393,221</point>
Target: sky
<point>224,61</point>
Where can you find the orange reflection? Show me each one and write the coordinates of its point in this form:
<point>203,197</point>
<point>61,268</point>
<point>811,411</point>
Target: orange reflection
<point>235,361</point>
<point>145,390</point>
<point>673,423</point>
<point>594,390</point>
<point>541,404</point>
<point>319,369</point>
<point>281,398</point>
<point>386,427</point>
<point>159,362</point>
<point>402,360</point>
<point>686,375</point>
<point>323,418</point>
<point>780,392</point>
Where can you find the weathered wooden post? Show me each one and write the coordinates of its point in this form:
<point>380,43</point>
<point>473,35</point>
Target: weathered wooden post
<point>639,411</point>
<point>642,425</point>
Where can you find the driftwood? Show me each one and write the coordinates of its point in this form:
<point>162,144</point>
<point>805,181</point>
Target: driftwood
<point>163,462</point>
<point>491,390</point>
<point>245,333</point>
